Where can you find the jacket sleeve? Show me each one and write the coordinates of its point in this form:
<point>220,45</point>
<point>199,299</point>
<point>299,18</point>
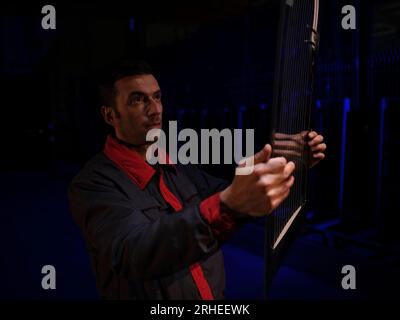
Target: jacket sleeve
<point>122,238</point>
<point>222,220</point>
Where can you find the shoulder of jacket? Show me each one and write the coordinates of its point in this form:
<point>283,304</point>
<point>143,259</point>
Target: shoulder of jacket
<point>98,166</point>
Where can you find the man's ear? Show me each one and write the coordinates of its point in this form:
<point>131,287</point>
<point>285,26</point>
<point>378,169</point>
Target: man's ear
<point>108,115</point>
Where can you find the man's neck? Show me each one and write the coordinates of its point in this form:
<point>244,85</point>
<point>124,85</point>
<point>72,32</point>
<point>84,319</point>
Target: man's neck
<point>141,150</point>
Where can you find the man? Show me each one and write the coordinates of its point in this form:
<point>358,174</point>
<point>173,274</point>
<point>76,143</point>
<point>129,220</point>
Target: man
<point>154,232</point>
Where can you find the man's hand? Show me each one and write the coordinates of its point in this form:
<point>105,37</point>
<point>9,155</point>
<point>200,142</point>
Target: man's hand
<point>317,148</point>
<point>260,192</point>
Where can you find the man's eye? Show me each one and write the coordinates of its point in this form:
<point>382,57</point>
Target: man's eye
<point>136,99</point>
<point>157,97</point>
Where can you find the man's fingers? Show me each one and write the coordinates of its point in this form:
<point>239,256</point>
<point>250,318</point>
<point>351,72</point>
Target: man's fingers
<point>319,147</point>
<point>315,141</point>
<point>278,200</point>
<point>289,169</point>
<point>312,134</point>
<point>263,155</point>
<point>282,136</point>
<point>288,145</point>
<point>282,167</point>
<point>319,155</point>
<point>286,153</point>
<point>280,189</point>
<point>274,165</point>
<point>270,180</point>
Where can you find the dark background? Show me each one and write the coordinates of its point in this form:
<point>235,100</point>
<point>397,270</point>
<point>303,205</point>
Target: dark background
<point>215,64</point>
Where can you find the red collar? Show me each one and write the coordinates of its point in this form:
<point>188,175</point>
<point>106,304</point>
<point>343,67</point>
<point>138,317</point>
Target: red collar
<point>130,162</point>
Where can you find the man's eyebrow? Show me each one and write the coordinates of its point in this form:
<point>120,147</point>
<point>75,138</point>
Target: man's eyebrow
<point>142,93</point>
<point>136,92</point>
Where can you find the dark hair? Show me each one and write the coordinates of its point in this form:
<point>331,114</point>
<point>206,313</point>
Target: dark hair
<point>116,71</point>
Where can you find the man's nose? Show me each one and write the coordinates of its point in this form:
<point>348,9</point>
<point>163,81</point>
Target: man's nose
<point>154,107</point>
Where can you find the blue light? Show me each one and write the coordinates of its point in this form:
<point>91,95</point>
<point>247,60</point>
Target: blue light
<point>328,87</point>
<point>346,109</point>
<point>132,24</point>
<point>382,110</point>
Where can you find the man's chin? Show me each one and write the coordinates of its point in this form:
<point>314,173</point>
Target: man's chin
<point>154,126</point>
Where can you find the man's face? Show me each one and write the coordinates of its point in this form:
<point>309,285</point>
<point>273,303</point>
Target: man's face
<point>138,102</point>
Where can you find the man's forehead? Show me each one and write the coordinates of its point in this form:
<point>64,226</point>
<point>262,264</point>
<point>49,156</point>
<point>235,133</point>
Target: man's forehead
<point>146,83</point>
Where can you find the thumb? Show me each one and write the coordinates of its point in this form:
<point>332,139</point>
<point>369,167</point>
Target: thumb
<point>263,155</point>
